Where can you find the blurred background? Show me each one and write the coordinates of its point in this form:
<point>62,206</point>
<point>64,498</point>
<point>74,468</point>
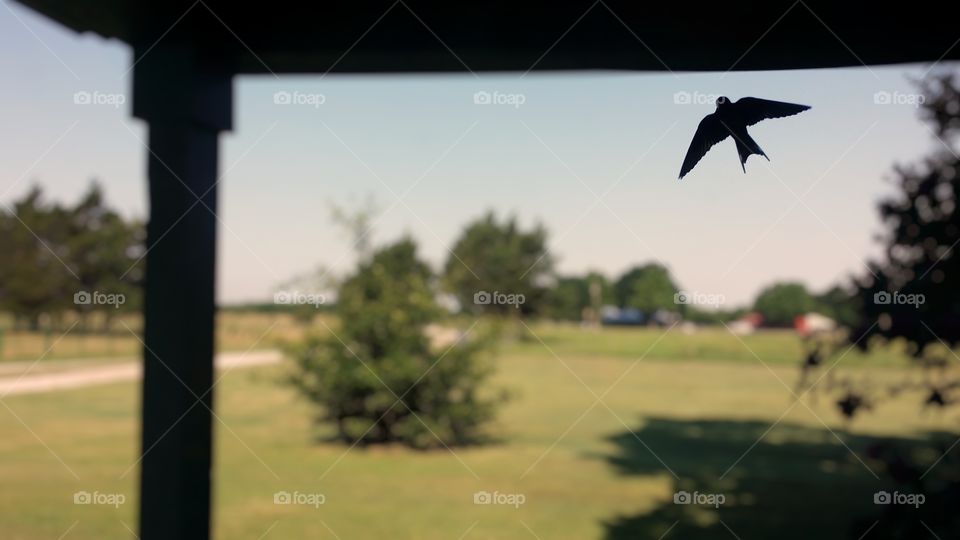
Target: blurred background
<point>482,306</point>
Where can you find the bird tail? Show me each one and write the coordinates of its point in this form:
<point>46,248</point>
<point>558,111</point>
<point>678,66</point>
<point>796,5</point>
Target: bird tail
<point>746,147</point>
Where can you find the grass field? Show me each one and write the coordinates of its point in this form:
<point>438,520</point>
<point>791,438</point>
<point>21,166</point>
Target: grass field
<point>236,331</point>
<point>692,410</point>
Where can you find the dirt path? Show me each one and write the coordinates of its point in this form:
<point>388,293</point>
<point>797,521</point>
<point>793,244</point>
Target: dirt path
<point>118,371</point>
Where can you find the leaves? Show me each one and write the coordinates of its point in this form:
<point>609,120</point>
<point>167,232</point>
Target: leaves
<point>50,252</point>
<point>377,379</point>
<point>494,256</point>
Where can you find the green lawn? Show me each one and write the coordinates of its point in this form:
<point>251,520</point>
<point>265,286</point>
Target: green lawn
<point>236,331</point>
<point>586,470</point>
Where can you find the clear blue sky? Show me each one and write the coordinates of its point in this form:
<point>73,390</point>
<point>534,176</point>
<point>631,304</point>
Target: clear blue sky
<point>574,137</point>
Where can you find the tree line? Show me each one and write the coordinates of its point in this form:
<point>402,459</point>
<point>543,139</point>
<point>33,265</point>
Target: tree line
<point>60,259</point>
<point>86,259</point>
<point>498,256</point>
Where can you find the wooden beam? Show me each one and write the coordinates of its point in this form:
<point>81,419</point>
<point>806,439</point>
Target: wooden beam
<point>187,101</point>
<point>520,35</point>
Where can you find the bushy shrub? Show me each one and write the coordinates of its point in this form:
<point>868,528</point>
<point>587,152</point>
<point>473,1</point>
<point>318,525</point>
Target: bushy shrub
<point>376,378</point>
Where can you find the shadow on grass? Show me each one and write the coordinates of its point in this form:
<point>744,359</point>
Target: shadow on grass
<point>792,482</point>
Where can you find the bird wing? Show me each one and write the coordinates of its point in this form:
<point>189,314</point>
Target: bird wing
<point>710,131</point>
<point>753,110</point>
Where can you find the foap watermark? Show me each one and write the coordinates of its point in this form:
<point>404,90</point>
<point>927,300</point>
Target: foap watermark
<point>694,98</point>
<point>106,499</point>
<point>499,98</point>
<point>299,98</point>
<point>897,298</point>
<point>296,497</point>
<point>97,298</point>
<point>515,500</point>
<point>898,98</point>
<point>695,298</point>
<point>83,97</point>
<point>497,298</point>
<point>908,499</point>
<point>705,499</point>
<point>298,298</point>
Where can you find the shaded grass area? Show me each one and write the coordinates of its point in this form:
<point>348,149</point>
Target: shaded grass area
<point>796,483</point>
<point>579,463</point>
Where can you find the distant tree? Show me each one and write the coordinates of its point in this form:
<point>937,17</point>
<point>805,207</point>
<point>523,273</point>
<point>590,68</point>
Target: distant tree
<point>34,278</point>
<point>781,302</point>
<point>105,252</point>
<point>605,291</point>
<point>52,252</point>
<point>571,295</point>
<point>377,379</point>
<point>493,256</point>
<point>647,288</point>
<point>567,298</point>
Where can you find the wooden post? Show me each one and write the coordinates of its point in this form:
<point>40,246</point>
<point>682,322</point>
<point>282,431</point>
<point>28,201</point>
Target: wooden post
<point>187,100</point>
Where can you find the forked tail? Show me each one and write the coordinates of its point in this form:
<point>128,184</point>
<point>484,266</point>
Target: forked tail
<point>746,147</point>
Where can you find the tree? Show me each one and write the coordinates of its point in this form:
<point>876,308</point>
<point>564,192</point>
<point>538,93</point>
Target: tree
<point>567,298</point>
<point>52,253</point>
<point>106,253</point>
<point>648,288</point>
<point>377,379</point>
<point>314,286</point>
<point>34,278</point>
<point>909,296</point>
<point>781,302</point>
<point>572,297</point>
<point>495,257</point>
<point>603,288</point>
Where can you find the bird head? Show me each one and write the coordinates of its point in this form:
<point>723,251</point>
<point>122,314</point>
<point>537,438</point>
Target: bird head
<point>722,100</point>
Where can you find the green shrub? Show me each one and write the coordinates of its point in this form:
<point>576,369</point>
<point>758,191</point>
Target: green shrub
<point>377,379</point>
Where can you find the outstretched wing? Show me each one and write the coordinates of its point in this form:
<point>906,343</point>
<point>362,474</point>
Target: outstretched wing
<point>710,131</point>
<point>753,110</point>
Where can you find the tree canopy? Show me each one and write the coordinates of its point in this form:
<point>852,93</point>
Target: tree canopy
<point>493,256</point>
<point>781,302</point>
<point>648,288</point>
<point>377,378</point>
<point>908,294</point>
<point>55,256</point>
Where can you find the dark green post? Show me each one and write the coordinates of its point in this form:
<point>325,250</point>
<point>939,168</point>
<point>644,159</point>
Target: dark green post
<point>186,98</point>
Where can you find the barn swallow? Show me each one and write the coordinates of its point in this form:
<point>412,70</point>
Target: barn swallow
<point>731,119</point>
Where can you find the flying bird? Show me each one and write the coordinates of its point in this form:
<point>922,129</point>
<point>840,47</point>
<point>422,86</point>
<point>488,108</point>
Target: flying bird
<point>731,120</point>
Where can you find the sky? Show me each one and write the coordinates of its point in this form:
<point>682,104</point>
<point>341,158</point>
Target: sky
<point>593,156</point>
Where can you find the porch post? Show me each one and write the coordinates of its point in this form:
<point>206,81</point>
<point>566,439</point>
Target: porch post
<point>187,100</point>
